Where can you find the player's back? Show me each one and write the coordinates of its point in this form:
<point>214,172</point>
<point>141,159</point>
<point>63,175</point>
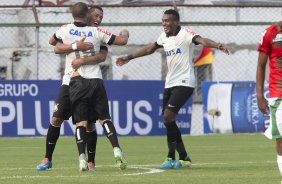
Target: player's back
<point>75,32</point>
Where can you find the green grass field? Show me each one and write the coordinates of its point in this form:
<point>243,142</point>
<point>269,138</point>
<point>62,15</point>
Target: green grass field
<point>217,159</point>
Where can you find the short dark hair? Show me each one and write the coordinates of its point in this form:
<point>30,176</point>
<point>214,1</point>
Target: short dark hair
<point>79,10</point>
<point>173,12</point>
<point>95,7</point>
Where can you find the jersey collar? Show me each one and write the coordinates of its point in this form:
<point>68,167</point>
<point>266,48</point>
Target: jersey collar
<point>177,31</point>
<point>79,24</point>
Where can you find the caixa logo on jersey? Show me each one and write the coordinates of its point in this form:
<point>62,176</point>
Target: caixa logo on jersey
<point>173,52</point>
<point>80,33</point>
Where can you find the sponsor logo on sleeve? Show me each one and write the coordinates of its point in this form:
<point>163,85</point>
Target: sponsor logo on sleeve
<point>190,32</point>
<point>104,31</point>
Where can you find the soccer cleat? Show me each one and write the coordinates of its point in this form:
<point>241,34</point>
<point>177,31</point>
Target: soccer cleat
<point>91,166</point>
<point>120,160</point>
<point>82,163</point>
<point>45,164</point>
<point>168,163</point>
<point>182,164</point>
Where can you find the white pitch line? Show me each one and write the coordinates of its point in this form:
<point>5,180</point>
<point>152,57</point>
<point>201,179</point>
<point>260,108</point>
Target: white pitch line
<point>22,177</point>
<point>146,165</point>
<point>150,171</point>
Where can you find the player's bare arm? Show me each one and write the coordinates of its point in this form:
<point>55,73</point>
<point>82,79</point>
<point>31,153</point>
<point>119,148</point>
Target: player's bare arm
<point>212,44</point>
<point>98,58</point>
<point>147,50</point>
<point>52,41</point>
<point>122,38</point>
<point>260,77</point>
<point>61,48</point>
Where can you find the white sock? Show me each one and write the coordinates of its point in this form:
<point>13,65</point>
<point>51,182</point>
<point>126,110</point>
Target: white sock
<point>279,162</point>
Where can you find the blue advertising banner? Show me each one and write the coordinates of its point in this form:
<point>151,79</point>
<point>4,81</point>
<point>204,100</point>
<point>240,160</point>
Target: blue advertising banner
<point>26,108</point>
<point>231,107</point>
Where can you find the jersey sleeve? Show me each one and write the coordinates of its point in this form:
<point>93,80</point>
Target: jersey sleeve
<point>265,42</point>
<point>191,35</point>
<point>60,32</point>
<point>105,36</point>
<point>159,41</point>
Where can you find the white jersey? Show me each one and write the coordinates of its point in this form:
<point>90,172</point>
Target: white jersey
<point>66,79</point>
<point>179,53</point>
<point>72,33</point>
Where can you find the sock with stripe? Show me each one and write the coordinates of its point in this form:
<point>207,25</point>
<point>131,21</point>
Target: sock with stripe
<point>110,132</point>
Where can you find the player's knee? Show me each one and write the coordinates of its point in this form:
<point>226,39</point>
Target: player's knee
<point>81,123</point>
<point>168,118</point>
<point>90,127</point>
<point>56,121</point>
<point>103,121</point>
<point>279,145</point>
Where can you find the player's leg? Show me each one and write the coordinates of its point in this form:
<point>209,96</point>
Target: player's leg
<point>171,132</point>
<point>275,130</point>
<point>80,137</point>
<point>61,112</point>
<point>91,142</point>
<point>171,140</point>
<point>111,134</point>
<point>279,154</point>
<point>80,132</point>
<point>53,134</point>
<point>182,95</point>
<point>102,110</point>
<point>80,93</point>
<point>110,131</point>
<point>174,99</point>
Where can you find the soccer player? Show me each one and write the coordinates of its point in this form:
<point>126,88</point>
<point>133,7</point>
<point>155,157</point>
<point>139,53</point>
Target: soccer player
<point>270,47</point>
<point>178,43</point>
<point>62,108</point>
<point>86,89</point>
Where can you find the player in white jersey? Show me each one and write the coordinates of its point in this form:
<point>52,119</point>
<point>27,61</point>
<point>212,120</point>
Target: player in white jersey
<point>178,43</point>
<point>62,109</point>
<point>87,92</point>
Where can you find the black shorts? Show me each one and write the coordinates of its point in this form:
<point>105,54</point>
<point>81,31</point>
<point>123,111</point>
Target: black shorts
<point>62,107</point>
<point>89,100</point>
<point>175,97</point>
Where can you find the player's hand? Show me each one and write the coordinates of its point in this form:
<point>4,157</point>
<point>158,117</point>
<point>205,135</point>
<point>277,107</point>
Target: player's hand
<point>76,63</point>
<point>223,49</point>
<point>122,60</point>
<point>124,32</point>
<point>83,46</point>
<point>263,105</point>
